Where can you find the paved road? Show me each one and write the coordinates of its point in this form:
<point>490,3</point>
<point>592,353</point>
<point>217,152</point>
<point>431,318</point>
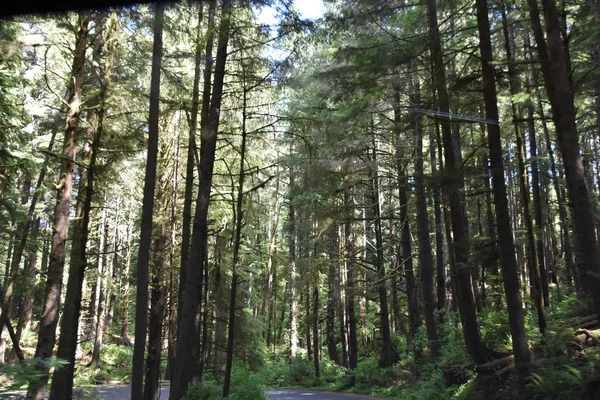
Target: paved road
<point>122,393</point>
<point>294,394</point>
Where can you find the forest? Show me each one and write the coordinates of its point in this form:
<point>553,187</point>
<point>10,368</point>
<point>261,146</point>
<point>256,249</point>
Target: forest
<point>395,198</point>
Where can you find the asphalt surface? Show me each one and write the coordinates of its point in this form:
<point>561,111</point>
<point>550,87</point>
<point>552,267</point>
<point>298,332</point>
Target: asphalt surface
<point>123,393</point>
<point>295,394</point>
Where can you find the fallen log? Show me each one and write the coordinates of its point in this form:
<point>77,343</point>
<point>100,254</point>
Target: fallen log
<point>576,321</point>
<point>589,336</point>
<point>505,370</point>
<point>500,362</point>
<point>589,324</point>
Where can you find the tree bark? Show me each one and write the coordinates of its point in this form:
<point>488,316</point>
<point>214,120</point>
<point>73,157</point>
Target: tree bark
<point>350,291</point>
<point>157,311</point>
<point>271,294</point>
<point>405,257</point>
<point>239,220</point>
<point>510,270</point>
<point>26,303</point>
<point>537,204</point>
<point>556,71</point>
<point>58,252</point>
<point>16,247</point>
<point>332,287</point>
<point>125,283</point>
<point>188,352</point>
<point>141,308</point>
<point>460,245</point>
<point>340,296</point>
<point>388,354</point>
<point>102,284</point>
<point>292,261</point>
<point>440,270</point>
<point>192,148</point>
<point>218,294</point>
<point>315,320</point>
<point>308,321</point>
<point>535,270</point>
<point>425,255</point>
<point>567,247</point>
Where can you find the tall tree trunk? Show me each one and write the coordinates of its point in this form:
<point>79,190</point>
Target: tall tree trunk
<point>271,294</point>
<point>425,255</point>
<point>460,246</point>
<point>204,112</point>
<point>332,297</point>
<point>440,270</point>
<point>315,318</point>
<point>567,248</point>
<point>537,202</point>
<point>26,303</point>
<point>102,285</point>
<point>396,266</point>
<point>125,283</point>
<point>308,321</point>
<point>141,308</point>
<point>18,243</point>
<point>292,261</point>
<point>350,273</point>
<point>555,67</point>
<point>205,319</point>
<point>388,355</point>
<point>510,270</point>
<point>220,311</point>
<point>157,310</point>
<point>192,147</point>
<point>93,307</point>
<point>535,269</point>
<point>340,296</point>
<point>171,293</point>
<point>186,369</point>
<point>58,252</point>
<point>239,220</point>
<point>114,269</point>
<point>405,256</point>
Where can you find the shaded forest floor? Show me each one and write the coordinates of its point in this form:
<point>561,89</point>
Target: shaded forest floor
<point>566,365</point>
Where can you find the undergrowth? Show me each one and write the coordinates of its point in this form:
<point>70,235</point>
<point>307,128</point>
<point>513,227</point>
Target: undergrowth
<point>562,369</point>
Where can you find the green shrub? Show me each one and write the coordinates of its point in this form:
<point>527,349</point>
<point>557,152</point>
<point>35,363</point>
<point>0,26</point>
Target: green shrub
<point>570,305</point>
<point>28,339</point>
<point>118,357</point>
<point>368,373</point>
<point>431,387</point>
<point>561,382</point>
<point>274,375</point>
<point>205,390</point>
<point>92,376</point>
<point>331,373</point>
<point>246,385</point>
<point>467,391</point>
<point>115,362</point>
<point>453,350</point>
<point>495,329</point>
<point>22,374</point>
<point>453,353</point>
<point>302,373</point>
